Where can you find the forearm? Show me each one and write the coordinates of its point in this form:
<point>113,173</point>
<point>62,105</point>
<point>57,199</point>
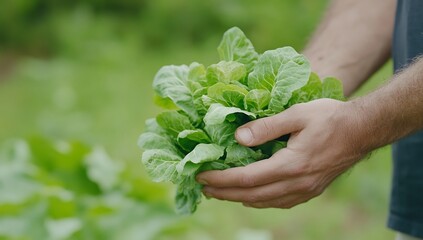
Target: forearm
<point>391,112</point>
<point>353,40</point>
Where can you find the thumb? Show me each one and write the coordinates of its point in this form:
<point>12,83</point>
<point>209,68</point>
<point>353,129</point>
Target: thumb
<point>265,129</point>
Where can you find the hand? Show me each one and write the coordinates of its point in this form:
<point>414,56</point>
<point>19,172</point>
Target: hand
<point>323,144</point>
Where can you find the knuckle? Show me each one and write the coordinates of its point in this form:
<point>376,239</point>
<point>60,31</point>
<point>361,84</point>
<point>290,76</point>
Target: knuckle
<point>309,186</point>
<point>262,130</point>
<point>252,198</point>
<point>301,168</point>
<point>217,195</point>
<point>313,187</point>
<point>267,125</point>
<point>284,204</point>
<point>318,190</point>
<point>247,180</point>
<point>303,187</point>
<point>297,169</point>
<point>297,108</point>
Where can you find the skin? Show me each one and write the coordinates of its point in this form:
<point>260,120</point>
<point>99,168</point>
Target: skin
<point>346,131</point>
<point>353,40</point>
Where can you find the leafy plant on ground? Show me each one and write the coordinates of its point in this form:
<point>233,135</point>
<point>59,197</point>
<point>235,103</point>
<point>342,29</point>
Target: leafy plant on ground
<point>209,103</point>
<point>69,190</point>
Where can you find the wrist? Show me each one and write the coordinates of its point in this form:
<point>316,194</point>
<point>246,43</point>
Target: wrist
<point>357,128</point>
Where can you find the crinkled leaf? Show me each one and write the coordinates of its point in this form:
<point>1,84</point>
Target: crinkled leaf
<point>226,72</point>
<point>265,113</point>
<point>222,134</point>
<point>198,100</point>
<point>238,155</point>
<point>311,91</point>
<point>174,122</point>
<point>188,139</point>
<point>268,66</point>
<point>207,101</point>
<point>149,140</point>
<point>151,125</point>
<point>188,196</point>
<point>291,76</point>
<point>165,103</point>
<point>171,82</point>
<point>234,98</point>
<point>332,88</point>
<point>215,165</point>
<point>256,100</point>
<point>161,164</point>
<point>197,77</point>
<point>271,147</point>
<point>200,154</point>
<point>227,94</point>
<point>235,46</point>
<point>189,169</point>
<point>217,114</point>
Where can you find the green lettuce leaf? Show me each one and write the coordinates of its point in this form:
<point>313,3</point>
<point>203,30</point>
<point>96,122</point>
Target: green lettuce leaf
<point>311,91</point>
<point>222,134</point>
<point>256,100</point>
<point>174,122</point>
<point>235,46</point>
<point>215,165</point>
<point>171,82</point>
<point>332,88</point>
<point>291,76</point>
<point>161,165</point>
<point>268,66</point>
<point>151,125</point>
<point>218,113</point>
<point>272,147</point>
<point>165,103</point>
<point>197,77</point>
<point>188,195</point>
<point>151,140</point>
<point>238,155</point>
<point>200,154</point>
<point>227,94</point>
<point>188,139</point>
<point>226,72</point>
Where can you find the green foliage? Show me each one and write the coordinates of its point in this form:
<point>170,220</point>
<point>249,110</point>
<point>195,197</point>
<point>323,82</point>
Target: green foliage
<point>32,26</point>
<point>236,47</point>
<point>69,190</point>
<point>91,80</point>
<point>243,86</point>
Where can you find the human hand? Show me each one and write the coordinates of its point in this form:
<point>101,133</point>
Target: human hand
<point>324,143</point>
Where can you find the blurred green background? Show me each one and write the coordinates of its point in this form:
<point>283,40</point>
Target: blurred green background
<point>75,89</point>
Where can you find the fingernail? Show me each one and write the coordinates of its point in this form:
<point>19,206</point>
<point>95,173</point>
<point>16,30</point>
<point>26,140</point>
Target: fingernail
<point>244,135</point>
<point>202,181</point>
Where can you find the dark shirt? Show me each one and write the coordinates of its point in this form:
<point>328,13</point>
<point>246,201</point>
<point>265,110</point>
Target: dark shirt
<point>406,207</point>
